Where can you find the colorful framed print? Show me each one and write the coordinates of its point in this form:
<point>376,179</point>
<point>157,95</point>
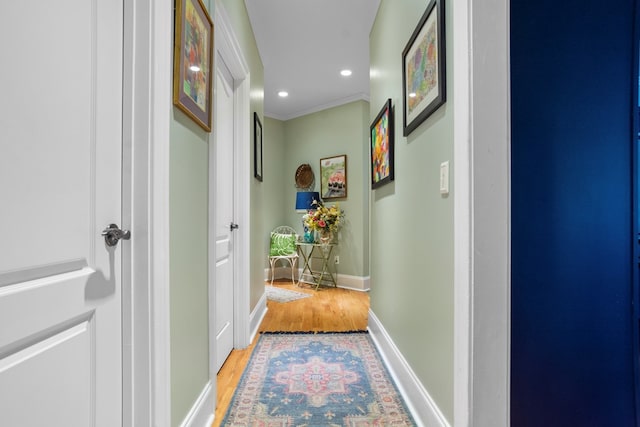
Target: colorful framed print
<point>192,61</point>
<point>423,68</point>
<point>257,147</point>
<point>381,133</point>
<point>333,177</point>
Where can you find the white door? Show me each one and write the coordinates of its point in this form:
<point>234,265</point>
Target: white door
<point>60,178</point>
<point>224,283</point>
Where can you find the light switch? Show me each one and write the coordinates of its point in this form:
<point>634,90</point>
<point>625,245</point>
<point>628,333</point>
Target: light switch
<point>444,177</point>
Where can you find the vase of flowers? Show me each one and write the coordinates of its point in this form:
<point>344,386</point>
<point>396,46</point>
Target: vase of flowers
<point>325,220</point>
<point>326,236</point>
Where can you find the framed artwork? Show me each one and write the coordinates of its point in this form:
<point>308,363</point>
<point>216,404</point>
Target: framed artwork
<point>192,61</point>
<point>257,147</point>
<point>423,68</point>
<point>381,133</point>
<point>333,177</point>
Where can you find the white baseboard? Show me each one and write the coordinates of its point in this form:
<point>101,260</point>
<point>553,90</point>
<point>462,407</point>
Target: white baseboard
<point>422,407</point>
<point>280,272</point>
<point>256,316</point>
<point>201,413</point>
<point>356,283</point>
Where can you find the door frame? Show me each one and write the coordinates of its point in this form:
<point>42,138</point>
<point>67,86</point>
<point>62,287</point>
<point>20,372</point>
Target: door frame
<point>482,230</point>
<point>228,48</point>
<point>145,211</point>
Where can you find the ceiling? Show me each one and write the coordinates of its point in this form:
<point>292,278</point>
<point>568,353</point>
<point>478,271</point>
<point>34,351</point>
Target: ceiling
<point>304,44</point>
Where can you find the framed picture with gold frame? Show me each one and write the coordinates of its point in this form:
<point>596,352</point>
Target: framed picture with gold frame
<point>192,61</point>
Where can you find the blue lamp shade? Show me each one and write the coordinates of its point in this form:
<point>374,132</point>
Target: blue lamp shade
<point>304,200</point>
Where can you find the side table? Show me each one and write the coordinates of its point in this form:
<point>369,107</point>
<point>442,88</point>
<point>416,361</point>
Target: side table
<point>322,252</point>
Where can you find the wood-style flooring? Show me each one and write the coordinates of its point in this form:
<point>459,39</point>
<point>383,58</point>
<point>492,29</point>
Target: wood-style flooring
<point>330,309</point>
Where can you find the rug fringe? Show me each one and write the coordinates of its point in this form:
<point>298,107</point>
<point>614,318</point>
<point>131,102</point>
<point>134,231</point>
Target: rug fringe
<point>355,331</point>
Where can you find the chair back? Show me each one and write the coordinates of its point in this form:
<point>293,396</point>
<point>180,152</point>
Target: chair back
<point>283,241</point>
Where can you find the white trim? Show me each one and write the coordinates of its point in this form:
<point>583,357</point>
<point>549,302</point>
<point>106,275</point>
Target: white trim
<point>160,119</point>
<point>462,215</point>
<point>201,413</point>
<point>356,283</point>
<point>422,407</point>
<point>257,315</point>
<point>146,121</point>
<point>230,50</point>
<point>490,227</point>
<point>228,43</point>
<point>346,281</point>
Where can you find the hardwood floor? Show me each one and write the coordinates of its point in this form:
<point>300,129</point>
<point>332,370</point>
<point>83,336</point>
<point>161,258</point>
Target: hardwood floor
<point>330,309</point>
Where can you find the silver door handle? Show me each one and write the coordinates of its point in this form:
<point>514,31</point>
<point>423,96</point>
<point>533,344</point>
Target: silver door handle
<point>233,226</point>
<point>112,234</point>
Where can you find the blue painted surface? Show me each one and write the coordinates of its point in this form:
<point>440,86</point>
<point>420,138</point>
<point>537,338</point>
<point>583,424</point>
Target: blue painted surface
<point>572,226</point>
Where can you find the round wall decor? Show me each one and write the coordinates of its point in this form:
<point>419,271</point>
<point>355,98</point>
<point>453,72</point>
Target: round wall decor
<point>304,176</point>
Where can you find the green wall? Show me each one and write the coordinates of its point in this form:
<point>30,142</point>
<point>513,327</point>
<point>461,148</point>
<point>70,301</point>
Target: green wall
<point>411,223</point>
<point>307,139</point>
<point>188,264</point>
<point>327,133</point>
<point>189,309</point>
<point>276,183</point>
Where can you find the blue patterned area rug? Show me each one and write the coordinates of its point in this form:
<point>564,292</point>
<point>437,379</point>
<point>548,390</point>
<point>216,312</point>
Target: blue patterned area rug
<point>324,379</point>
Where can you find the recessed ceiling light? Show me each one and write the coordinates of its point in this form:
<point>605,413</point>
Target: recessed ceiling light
<point>345,73</point>
<point>194,68</point>
<point>283,94</point>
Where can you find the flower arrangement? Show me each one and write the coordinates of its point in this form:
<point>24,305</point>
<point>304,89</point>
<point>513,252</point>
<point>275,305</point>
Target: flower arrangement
<point>324,218</point>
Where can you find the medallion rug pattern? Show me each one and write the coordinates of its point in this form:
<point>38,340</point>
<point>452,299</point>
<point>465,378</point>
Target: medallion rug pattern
<point>324,379</point>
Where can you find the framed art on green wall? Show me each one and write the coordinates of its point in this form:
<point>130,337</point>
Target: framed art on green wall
<point>381,134</point>
<point>423,68</point>
<point>333,177</point>
<point>192,61</point>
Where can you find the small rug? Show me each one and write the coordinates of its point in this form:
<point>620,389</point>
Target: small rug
<point>324,379</point>
<point>283,295</point>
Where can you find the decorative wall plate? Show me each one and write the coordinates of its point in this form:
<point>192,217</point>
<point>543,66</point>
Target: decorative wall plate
<point>304,176</point>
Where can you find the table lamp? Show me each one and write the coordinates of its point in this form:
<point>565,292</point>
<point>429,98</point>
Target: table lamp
<point>304,203</point>
<point>304,200</point>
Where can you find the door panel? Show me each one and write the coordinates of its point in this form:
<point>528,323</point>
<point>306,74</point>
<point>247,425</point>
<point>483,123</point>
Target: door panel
<point>60,169</point>
<point>224,284</point>
<point>29,372</point>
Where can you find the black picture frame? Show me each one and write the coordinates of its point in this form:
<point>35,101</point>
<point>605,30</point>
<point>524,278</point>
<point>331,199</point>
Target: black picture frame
<point>424,82</point>
<point>257,147</point>
<point>381,144</point>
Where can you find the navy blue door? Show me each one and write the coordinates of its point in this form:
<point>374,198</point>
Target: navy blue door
<point>572,339</point>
